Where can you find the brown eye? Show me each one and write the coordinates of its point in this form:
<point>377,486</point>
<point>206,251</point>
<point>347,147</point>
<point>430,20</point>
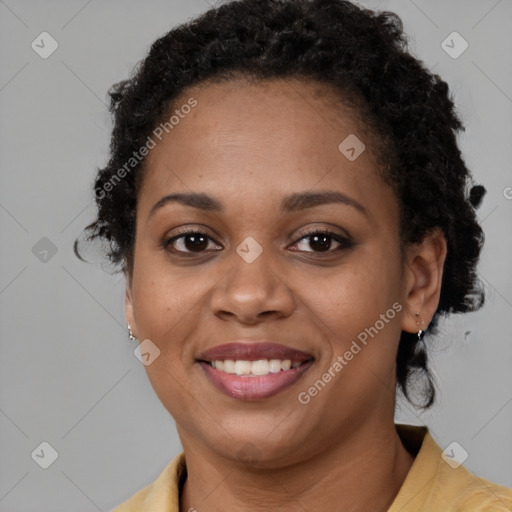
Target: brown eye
<point>189,242</point>
<point>322,241</point>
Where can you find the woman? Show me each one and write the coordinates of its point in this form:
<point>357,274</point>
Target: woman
<point>288,203</point>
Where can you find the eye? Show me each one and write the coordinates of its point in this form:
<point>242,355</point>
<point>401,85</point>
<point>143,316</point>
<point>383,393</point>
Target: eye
<point>321,240</point>
<point>194,241</point>
<point>189,242</point>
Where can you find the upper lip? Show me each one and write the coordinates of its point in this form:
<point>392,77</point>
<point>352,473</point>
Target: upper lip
<point>253,351</point>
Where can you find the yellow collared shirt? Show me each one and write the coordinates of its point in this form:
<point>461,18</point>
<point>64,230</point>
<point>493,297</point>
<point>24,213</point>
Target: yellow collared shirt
<point>432,485</point>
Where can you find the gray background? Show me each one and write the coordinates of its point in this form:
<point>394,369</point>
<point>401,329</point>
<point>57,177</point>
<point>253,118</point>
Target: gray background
<point>68,375</point>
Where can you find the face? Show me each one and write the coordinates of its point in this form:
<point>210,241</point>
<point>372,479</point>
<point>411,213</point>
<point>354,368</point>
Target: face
<point>264,263</point>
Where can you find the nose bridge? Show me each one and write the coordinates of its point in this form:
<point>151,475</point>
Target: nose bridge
<point>250,272</point>
<point>251,286</point>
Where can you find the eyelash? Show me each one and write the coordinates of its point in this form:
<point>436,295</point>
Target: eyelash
<point>345,243</point>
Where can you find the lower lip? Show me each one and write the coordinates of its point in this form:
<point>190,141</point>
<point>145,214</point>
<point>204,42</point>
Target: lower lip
<point>254,388</point>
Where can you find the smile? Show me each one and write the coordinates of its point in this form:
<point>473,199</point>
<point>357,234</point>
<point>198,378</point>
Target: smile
<point>254,368</point>
<point>253,371</point>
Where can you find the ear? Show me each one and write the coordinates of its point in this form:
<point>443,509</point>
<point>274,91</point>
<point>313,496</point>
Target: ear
<point>424,263</point>
<point>128,305</point>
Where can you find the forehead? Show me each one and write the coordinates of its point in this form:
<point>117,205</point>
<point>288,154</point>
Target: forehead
<point>245,139</point>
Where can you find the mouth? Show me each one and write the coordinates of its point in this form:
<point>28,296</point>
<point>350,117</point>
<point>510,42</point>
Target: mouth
<point>253,371</point>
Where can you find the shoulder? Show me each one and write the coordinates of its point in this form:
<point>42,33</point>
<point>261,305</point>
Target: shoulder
<point>464,491</point>
<point>438,481</point>
<point>480,495</point>
<point>163,494</point>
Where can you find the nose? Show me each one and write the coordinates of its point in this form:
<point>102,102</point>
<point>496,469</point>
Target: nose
<point>251,293</point>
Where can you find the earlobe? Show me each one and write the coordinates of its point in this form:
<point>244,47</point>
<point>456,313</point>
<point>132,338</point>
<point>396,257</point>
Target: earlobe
<point>424,272</point>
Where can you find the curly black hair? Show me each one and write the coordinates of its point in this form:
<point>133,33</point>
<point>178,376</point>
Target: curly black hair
<point>363,55</point>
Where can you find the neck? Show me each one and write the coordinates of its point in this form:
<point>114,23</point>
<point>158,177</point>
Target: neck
<point>362,472</point>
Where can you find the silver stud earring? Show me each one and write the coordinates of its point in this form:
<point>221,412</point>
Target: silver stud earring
<point>130,333</point>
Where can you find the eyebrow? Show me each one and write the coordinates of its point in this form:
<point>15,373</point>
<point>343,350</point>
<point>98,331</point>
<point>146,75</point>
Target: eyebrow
<point>292,203</point>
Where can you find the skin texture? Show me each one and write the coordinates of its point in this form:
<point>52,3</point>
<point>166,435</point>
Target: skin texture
<point>249,145</point>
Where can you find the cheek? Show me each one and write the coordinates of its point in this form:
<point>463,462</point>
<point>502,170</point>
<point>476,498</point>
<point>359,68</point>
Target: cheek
<point>355,295</point>
<point>358,309</point>
<point>162,303</point>
<point>165,311</point>
<point>162,297</point>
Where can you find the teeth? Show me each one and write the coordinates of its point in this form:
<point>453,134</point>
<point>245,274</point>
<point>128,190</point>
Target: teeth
<point>229,365</point>
<point>275,365</point>
<point>260,367</point>
<point>243,367</point>
<point>254,368</point>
